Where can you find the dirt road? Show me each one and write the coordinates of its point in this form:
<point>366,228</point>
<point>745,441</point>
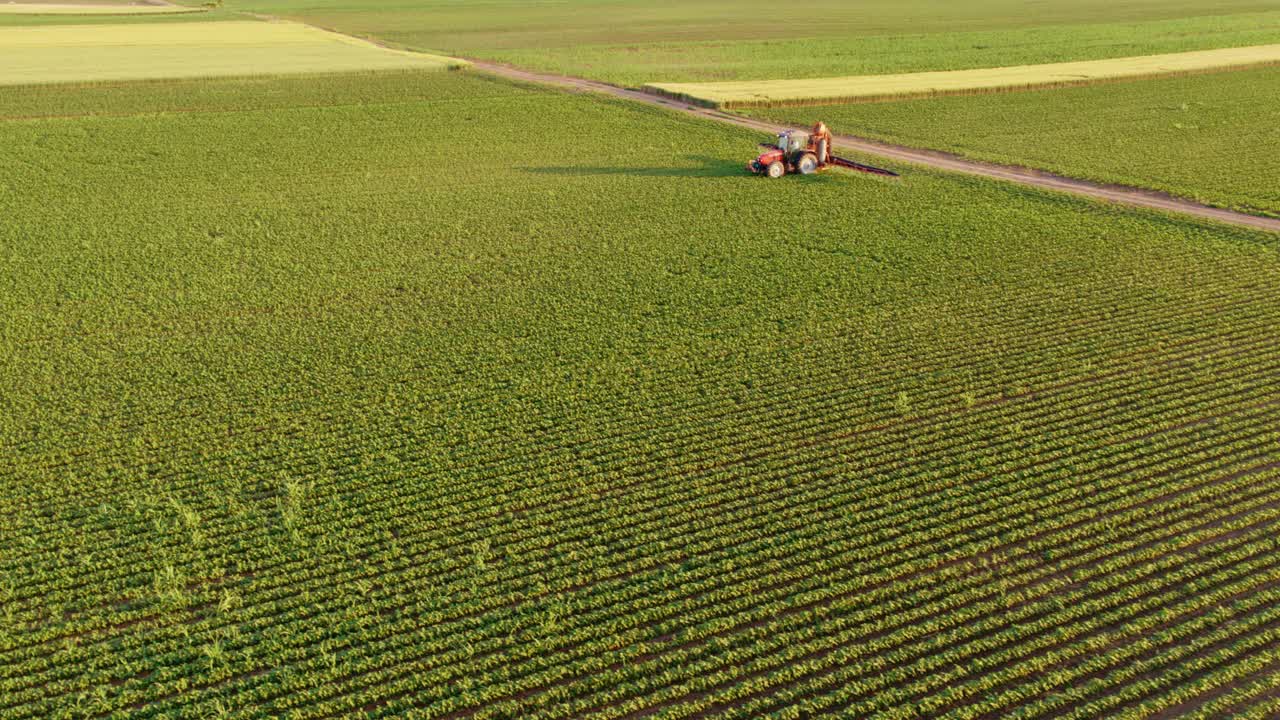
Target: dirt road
<point>944,161</point>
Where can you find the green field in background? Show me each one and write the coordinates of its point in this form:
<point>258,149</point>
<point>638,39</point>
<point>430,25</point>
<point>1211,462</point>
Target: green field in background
<point>1208,137</point>
<point>336,396</point>
<point>633,42</point>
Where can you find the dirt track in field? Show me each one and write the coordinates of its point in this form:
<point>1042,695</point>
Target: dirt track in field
<point>1117,194</point>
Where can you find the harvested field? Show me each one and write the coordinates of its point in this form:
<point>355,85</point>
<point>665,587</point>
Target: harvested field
<point>765,93</point>
<point>95,53</point>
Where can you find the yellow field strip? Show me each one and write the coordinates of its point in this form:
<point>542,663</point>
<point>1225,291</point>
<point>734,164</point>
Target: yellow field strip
<point>95,53</point>
<point>16,8</point>
<point>867,87</point>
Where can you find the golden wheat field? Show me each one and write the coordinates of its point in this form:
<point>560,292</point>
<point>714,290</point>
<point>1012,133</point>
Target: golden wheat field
<point>89,53</point>
<point>868,87</point>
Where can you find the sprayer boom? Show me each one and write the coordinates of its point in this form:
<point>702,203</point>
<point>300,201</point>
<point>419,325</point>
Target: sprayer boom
<point>845,163</point>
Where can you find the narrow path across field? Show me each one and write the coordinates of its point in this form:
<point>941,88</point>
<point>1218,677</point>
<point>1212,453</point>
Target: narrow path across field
<point>944,161</point>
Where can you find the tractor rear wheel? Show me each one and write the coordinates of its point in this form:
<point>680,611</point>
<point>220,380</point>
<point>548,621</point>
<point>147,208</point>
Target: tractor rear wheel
<point>776,169</point>
<point>807,164</point>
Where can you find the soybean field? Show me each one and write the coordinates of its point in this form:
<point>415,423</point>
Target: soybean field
<point>337,397</point>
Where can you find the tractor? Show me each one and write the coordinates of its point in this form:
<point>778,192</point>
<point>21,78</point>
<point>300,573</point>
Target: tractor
<point>805,153</point>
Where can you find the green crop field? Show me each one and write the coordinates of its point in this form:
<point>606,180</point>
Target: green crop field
<point>633,42</point>
<point>1209,137</point>
<point>337,397</point>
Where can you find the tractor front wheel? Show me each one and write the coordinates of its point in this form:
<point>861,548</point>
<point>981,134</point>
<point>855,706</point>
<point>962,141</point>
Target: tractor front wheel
<point>776,169</point>
<point>808,164</point>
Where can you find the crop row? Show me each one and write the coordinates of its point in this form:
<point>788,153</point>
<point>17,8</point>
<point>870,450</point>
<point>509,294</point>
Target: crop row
<point>1050,400</point>
<point>210,526</point>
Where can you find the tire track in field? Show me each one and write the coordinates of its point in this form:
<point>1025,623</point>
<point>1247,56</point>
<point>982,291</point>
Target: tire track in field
<point>1118,194</point>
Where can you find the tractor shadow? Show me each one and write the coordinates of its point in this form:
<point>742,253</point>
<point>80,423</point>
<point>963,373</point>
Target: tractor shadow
<point>706,167</point>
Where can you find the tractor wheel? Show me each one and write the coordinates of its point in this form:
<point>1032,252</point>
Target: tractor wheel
<point>776,169</point>
<point>808,164</point>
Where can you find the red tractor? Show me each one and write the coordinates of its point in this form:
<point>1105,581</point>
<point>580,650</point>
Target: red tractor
<point>805,153</point>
